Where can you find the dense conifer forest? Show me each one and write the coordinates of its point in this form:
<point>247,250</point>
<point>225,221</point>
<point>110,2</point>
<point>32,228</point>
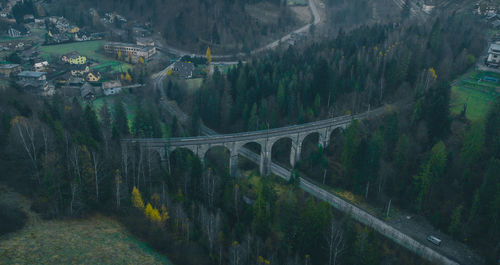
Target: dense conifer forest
<point>67,156</point>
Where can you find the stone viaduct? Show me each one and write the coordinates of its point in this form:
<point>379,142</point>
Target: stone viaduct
<point>265,138</point>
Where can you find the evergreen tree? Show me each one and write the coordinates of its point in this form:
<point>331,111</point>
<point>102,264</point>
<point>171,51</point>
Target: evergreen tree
<point>349,149</point>
<point>92,124</point>
<point>119,118</point>
<point>437,111</point>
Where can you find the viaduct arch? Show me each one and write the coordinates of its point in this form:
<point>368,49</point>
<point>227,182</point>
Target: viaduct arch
<point>265,138</point>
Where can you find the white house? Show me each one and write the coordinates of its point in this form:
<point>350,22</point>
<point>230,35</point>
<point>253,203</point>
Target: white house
<point>493,59</point>
<point>41,66</point>
<point>111,87</point>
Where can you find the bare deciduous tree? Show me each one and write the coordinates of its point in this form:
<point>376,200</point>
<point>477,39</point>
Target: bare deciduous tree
<point>97,169</point>
<point>336,242</point>
<point>26,131</point>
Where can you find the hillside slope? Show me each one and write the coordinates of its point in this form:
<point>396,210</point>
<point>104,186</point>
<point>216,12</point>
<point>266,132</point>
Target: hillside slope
<point>94,240</point>
<point>193,24</point>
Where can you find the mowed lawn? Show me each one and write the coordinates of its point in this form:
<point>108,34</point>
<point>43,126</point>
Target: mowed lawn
<point>95,240</point>
<point>89,49</point>
<point>478,92</point>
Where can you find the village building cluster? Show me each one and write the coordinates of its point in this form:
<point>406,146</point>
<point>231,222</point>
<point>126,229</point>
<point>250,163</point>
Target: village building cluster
<point>60,30</point>
<point>77,73</point>
<point>133,53</point>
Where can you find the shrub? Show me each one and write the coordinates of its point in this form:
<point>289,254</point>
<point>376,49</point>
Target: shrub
<point>12,218</point>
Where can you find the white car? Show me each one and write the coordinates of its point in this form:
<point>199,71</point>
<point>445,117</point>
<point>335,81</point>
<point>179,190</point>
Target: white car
<point>434,240</point>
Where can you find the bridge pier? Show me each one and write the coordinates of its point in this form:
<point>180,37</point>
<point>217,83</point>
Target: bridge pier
<point>265,158</point>
<point>324,138</point>
<point>233,159</point>
<point>233,164</point>
<point>295,152</point>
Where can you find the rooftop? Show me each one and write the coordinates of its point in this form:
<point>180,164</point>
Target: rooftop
<point>78,67</point>
<point>185,69</point>
<point>111,84</point>
<point>494,47</point>
<point>86,90</point>
<point>8,66</point>
<point>72,55</point>
<point>31,74</point>
<point>128,45</point>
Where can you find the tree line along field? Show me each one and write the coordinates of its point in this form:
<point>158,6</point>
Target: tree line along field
<point>90,49</point>
<point>95,240</point>
<point>135,112</point>
<point>477,92</point>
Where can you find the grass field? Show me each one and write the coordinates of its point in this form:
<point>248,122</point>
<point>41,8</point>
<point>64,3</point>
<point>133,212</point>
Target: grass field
<point>87,48</point>
<point>474,90</point>
<point>95,240</point>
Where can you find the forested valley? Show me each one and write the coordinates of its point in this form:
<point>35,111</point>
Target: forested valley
<point>70,160</point>
<point>417,155</point>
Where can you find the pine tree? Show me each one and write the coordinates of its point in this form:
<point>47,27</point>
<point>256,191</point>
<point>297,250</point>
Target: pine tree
<point>261,218</point>
<point>431,171</point>
<point>456,221</point>
<point>120,121</point>
<point>349,150</point>
<point>253,121</point>
<point>92,124</point>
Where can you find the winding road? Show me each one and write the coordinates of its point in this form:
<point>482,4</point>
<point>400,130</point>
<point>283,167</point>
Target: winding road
<point>269,46</point>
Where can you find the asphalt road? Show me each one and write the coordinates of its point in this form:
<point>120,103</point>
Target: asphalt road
<point>269,46</point>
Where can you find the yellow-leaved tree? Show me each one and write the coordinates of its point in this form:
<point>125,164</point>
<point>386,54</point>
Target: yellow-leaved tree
<point>136,199</point>
<point>209,55</point>
<point>128,77</point>
<point>432,71</point>
<point>164,214</point>
<point>152,214</point>
<point>119,55</point>
<point>141,60</point>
